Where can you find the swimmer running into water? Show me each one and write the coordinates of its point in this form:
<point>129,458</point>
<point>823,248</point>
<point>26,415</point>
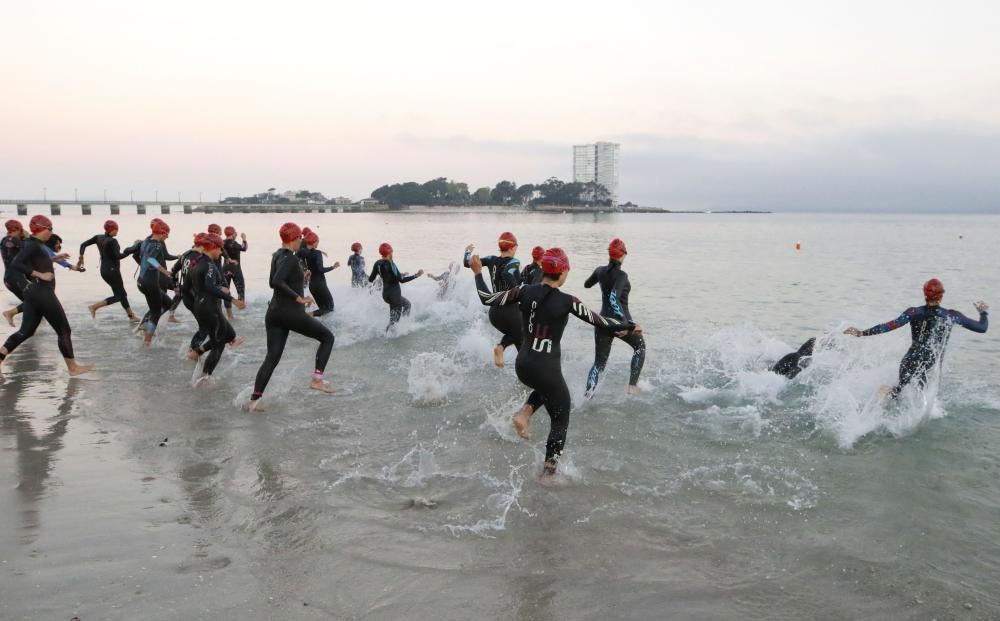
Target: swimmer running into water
<point>505,273</point>
<point>544,312</point>
<point>111,256</point>
<point>385,268</point>
<point>930,328</point>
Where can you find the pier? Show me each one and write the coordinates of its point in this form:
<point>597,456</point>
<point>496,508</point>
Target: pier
<point>55,207</point>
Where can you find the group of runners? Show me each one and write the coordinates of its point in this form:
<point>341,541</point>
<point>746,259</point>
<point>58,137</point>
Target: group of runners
<point>527,306</point>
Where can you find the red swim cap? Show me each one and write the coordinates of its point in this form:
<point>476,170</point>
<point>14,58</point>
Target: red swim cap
<point>110,225</point>
<point>306,231</point>
<point>230,231</point>
<point>356,247</point>
<point>555,261</point>
<point>289,231</point>
<point>537,252</point>
<point>215,228</point>
<point>616,249</point>
<point>385,249</point>
<point>202,239</point>
<point>39,223</point>
<point>310,238</point>
<point>13,226</point>
<point>211,240</point>
<point>153,222</point>
<point>161,228</point>
<point>933,290</point>
<point>507,240</point>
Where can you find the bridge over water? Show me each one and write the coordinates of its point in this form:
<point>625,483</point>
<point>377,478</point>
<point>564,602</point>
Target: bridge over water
<point>55,207</point>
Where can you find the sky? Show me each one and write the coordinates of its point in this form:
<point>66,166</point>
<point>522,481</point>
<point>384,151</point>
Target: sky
<point>784,105</point>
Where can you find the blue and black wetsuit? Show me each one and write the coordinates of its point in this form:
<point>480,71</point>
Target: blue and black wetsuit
<point>615,288</point>
<point>233,269</point>
<point>505,274</point>
<point>40,301</point>
<point>532,274</point>
<point>358,274</point>
<point>930,328</point>
<point>153,255</point>
<point>544,311</point>
<point>392,294</point>
<point>111,256</point>
<point>792,364</point>
<point>206,283</point>
<point>285,315</point>
<point>318,288</point>
<point>13,279</point>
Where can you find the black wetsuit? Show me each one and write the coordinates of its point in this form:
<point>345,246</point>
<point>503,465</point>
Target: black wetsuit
<point>206,285</point>
<point>233,269</point>
<point>391,293</point>
<point>153,255</point>
<point>358,274</point>
<point>284,314</point>
<point>40,301</point>
<point>185,287</point>
<point>505,273</point>
<point>13,279</point>
<point>544,312</point>
<point>930,329</point>
<point>111,272</point>
<point>532,274</point>
<point>317,281</point>
<point>615,288</point>
<point>792,364</point>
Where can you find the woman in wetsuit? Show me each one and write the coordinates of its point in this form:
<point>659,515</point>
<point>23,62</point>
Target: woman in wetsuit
<point>532,273</point>
<point>544,312</point>
<point>208,287</point>
<point>153,256</point>
<point>357,264</point>
<point>111,256</point>
<point>13,279</point>
<point>233,269</point>
<point>615,288</point>
<point>930,328</point>
<point>40,301</point>
<point>317,275</point>
<point>505,273</point>
<point>287,313</point>
<point>386,269</point>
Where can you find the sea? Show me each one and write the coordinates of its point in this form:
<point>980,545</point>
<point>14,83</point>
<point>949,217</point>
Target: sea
<point>720,491</point>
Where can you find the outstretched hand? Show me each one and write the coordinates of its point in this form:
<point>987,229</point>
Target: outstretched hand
<point>420,272</point>
<point>470,247</point>
<point>981,306</point>
<point>852,331</point>
<point>476,264</point>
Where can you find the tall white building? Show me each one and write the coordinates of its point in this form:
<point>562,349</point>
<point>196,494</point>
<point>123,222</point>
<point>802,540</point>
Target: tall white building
<point>597,162</point>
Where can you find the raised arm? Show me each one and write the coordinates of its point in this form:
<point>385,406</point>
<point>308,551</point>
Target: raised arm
<point>971,324</point>
<point>888,326</point>
<point>89,242</point>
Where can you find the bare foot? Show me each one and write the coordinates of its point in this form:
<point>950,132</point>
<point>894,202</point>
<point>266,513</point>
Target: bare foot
<point>200,380</point>
<point>93,311</point>
<point>172,319</point>
<point>193,356</point>
<point>521,421</point>
<point>133,319</point>
<point>320,385</point>
<point>236,342</point>
<point>633,389</point>
<point>79,369</point>
<point>498,356</point>
<point>255,405</point>
<point>147,340</point>
<point>9,316</point>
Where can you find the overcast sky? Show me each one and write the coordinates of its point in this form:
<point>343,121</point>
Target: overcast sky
<point>764,104</point>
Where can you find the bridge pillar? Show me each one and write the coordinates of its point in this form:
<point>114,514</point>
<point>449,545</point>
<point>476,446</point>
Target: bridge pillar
<point>227,209</point>
<point>85,210</point>
<point>307,209</point>
<point>140,210</point>
<point>115,210</point>
<point>56,209</point>
<point>22,210</point>
<point>188,209</point>
<point>208,209</point>
<point>165,210</point>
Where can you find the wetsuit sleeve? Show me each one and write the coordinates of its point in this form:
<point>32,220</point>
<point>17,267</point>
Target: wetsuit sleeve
<point>407,278</point>
<point>466,258</point>
<point>52,255</point>
<point>374,272</point>
<point>889,326</point>
<point>591,280</point>
<point>22,261</point>
<point>115,249</point>
<point>212,287</point>
<point>496,299</point>
<point>279,280</point>
<point>611,324</point>
<point>971,324</point>
<point>167,256</point>
<point>246,246</point>
<point>89,242</point>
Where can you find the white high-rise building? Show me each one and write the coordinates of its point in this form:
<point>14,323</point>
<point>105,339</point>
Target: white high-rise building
<point>597,162</point>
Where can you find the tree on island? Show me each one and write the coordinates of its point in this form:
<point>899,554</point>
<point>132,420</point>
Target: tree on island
<point>442,191</point>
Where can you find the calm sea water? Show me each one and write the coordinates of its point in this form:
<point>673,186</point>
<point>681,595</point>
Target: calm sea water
<point>721,491</point>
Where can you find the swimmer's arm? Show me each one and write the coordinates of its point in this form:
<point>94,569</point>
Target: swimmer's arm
<point>496,299</point>
<point>888,326</point>
<point>374,272</point>
<point>89,242</point>
<point>411,276</point>
<point>282,272</point>
<point>611,324</point>
<point>116,251</point>
<point>971,324</point>
<point>212,286</point>
<point>591,281</point>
